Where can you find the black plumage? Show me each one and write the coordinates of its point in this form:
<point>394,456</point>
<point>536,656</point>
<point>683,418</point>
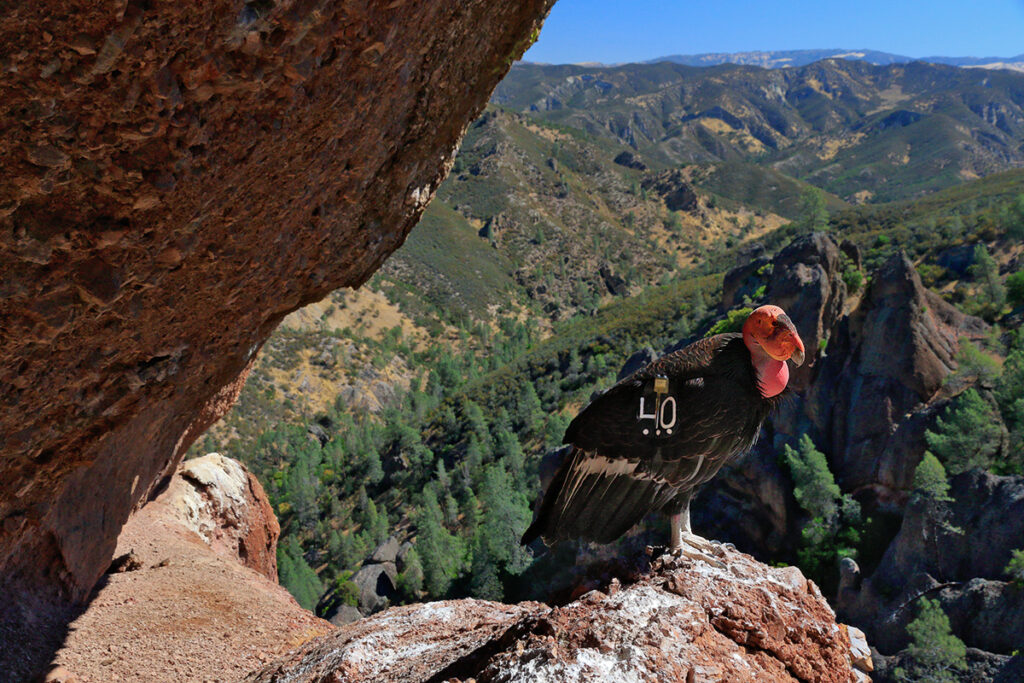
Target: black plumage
<point>702,405</point>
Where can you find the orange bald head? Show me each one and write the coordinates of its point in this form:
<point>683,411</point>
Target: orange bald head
<point>771,329</point>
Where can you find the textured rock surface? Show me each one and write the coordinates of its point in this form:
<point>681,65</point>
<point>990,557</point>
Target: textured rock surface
<point>674,188</point>
<point>190,611</point>
<point>224,504</point>
<point>807,283</point>
<point>880,385</point>
<point>956,552</point>
<point>177,178</point>
<point>680,621</point>
<point>376,583</point>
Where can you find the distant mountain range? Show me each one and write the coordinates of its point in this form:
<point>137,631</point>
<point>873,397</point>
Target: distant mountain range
<point>775,59</point>
<point>860,131</point>
<point>778,59</point>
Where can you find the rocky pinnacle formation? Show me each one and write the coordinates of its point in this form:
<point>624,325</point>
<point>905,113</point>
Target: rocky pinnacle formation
<point>177,177</point>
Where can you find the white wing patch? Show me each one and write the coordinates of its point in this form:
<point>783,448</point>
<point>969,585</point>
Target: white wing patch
<point>606,469</point>
<point>598,464</point>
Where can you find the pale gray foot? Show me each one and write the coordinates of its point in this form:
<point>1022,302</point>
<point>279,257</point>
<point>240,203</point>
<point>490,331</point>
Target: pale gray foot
<point>685,543</point>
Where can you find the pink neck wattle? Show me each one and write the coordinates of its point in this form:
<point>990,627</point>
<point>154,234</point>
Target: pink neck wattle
<point>772,375</point>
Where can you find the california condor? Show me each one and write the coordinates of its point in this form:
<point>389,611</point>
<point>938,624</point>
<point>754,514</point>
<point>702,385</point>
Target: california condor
<point>650,440</point>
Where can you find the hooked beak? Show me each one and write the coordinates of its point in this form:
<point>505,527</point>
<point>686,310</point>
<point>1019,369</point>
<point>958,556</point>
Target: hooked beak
<point>787,340</point>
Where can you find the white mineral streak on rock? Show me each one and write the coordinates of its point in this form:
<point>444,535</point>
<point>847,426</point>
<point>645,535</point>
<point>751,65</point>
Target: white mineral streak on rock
<point>217,492</point>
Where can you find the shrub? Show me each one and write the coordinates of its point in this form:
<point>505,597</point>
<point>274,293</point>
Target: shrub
<point>733,322</point>
<point>930,478</point>
<point>1015,288</point>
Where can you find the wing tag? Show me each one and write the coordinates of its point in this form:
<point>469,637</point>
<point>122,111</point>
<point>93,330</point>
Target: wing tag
<point>663,416</point>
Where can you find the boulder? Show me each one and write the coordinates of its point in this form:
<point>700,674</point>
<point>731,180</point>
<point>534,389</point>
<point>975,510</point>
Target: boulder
<point>614,283</point>
<point>989,615</point>
<point>744,280</point>
<point>178,177</point>
<point>386,551</point>
<point>345,614</point>
<point>679,620</point>
<point>630,160</point>
<point>1012,671</point>
<point>376,584</point>
<point>986,508</point>
<point>674,188</point>
<point>806,281</point>
<point>225,505</point>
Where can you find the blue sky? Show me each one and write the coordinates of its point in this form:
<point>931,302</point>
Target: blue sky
<point>633,30</point>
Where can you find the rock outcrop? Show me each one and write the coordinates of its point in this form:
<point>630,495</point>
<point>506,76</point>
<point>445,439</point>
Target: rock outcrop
<point>880,386</point>
<point>954,551</point>
<point>806,281</point>
<point>679,620</point>
<point>187,608</point>
<point>177,178</point>
<point>674,189</point>
<point>376,583</point>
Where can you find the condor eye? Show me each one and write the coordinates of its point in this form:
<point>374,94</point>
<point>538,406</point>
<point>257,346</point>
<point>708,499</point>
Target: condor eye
<point>783,321</point>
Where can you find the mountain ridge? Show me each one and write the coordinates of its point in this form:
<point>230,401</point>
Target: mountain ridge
<point>778,59</point>
<point>774,59</point>
<point>862,132</point>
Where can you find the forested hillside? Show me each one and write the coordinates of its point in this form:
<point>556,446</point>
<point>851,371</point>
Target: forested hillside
<point>591,217</point>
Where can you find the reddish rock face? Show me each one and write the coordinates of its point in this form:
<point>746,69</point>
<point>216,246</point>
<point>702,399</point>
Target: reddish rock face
<point>176,178</point>
<point>681,621</point>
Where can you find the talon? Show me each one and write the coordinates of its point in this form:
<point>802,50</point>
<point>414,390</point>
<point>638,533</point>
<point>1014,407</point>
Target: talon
<point>696,556</point>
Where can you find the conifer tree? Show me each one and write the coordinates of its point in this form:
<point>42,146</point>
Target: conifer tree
<point>1009,393</point>
<point>296,575</point>
<point>374,469</point>
<point>442,554</point>
<point>813,211</point>
<point>985,272</point>
<point>968,434</point>
<point>496,549</point>
<point>815,488</point>
<point>935,654</point>
<point>831,532</point>
<point>410,581</point>
<point>528,408</point>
